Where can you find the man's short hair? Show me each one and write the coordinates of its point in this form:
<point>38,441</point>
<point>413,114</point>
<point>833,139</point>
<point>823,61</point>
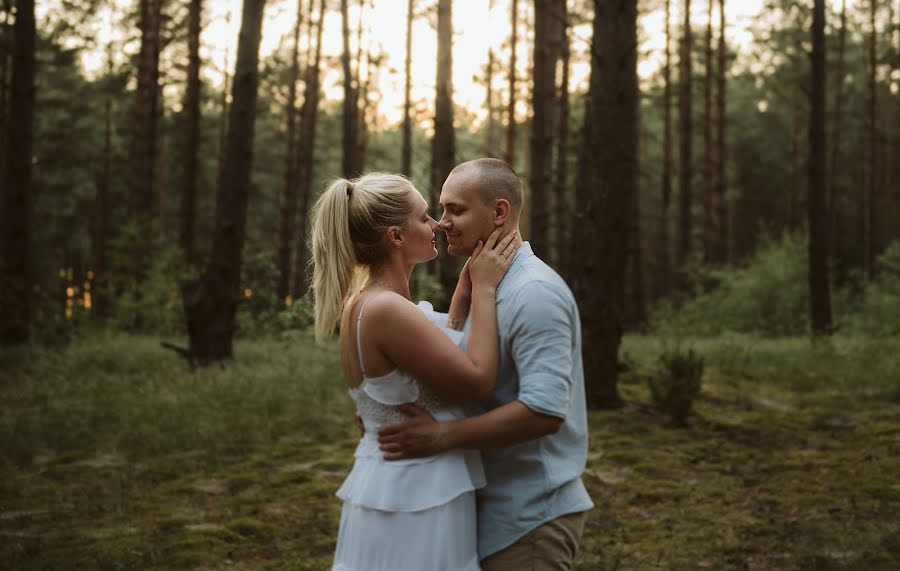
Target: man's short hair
<point>493,179</point>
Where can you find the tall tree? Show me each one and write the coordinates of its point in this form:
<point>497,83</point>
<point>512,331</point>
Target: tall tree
<point>723,252</point>
<point>191,132</point>
<point>561,188</point>
<point>223,109</point>
<point>443,147</point>
<point>146,113</point>
<point>306,146</point>
<point>885,199</point>
<point>819,296</point>
<point>837,111</point>
<point>685,131</point>
<point>406,167</point>
<point>15,267</point>
<point>546,54</point>
<point>511,105</point>
<point>709,234</point>
<point>211,302</point>
<point>870,226</point>
<point>350,166</point>
<point>607,182</point>
<point>102,203</point>
<point>489,96</point>
<point>288,211</point>
<point>666,178</point>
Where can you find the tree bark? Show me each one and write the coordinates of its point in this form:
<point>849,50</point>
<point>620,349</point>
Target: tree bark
<point>666,182</point>
<point>406,167</point>
<point>709,234</point>
<point>16,267</point>
<point>350,121</point>
<point>607,182</point>
<point>306,146</point>
<point>191,133</point>
<point>723,252</point>
<point>832,184</point>
<point>443,150</point>
<point>288,211</point>
<point>820,303</point>
<point>546,55</point>
<point>511,106</point>
<point>146,114</point>
<point>885,202</point>
<point>100,219</point>
<point>211,302</point>
<point>489,98</point>
<point>685,143</point>
<point>870,227</point>
<point>561,190</point>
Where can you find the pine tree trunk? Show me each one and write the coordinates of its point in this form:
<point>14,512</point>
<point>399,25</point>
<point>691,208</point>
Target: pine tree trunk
<point>722,208</point>
<point>832,184</point>
<point>443,150</point>
<point>870,229</point>
<point>288,211</point>
<point>666,191</point>
<point>820,303</point>
<point>406,167</point>
<point>511,105</point>
<point>561,190</point>
<point>309,114</point>
<point>546,54</point>
<point>489,102</point>
<point>15,266</point>
<point>350,107</point>
<point>191,133</point>
<point>146,114</point>
<point>607,182</point>
<point>223,113</point>
<point>362,94</point>
<point>709,235</point>
<point>211,303</point>
<point>885,203</point>
<point>100,221</point>
<point>685,144</point>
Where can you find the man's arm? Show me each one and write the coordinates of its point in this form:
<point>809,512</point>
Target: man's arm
<point>507,425</point>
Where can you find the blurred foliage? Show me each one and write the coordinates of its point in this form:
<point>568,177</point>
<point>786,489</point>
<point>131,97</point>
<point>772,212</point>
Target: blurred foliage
<point>677,384</point>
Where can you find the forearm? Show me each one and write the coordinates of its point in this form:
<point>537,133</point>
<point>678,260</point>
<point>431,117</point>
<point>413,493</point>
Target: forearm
<point>483,346</point>
<point>506,425</point>
<point>459,308</point>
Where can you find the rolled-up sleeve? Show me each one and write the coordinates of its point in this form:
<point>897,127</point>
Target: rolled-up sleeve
<point>541,344</point>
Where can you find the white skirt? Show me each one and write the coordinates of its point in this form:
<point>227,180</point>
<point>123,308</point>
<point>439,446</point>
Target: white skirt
<point>442,538</point>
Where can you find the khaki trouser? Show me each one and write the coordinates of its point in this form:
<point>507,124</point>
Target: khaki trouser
<point>550,547</point>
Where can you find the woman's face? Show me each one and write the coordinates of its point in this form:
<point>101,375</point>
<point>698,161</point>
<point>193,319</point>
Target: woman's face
<point>419,245</point>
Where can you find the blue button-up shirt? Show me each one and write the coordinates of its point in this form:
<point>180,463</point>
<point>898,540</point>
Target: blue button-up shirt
<point>531,483</point>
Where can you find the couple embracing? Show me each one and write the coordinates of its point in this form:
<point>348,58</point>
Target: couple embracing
<point>475,428</point>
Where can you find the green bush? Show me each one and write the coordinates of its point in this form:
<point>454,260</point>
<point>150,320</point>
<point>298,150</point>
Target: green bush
<point>676,384</point>
<point>879,309</point>
<point>769,296</point>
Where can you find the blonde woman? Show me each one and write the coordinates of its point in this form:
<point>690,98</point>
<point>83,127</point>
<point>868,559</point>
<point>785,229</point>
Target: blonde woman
<point>368,235</point>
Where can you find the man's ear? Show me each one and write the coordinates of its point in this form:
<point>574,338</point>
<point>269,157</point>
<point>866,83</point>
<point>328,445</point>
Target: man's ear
<point>501,212</point>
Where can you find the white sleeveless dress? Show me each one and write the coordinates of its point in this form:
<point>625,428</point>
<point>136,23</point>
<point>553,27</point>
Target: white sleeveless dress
<point>407,515</point>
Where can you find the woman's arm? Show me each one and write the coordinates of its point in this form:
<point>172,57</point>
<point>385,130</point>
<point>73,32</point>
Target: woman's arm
<point>413,344</point>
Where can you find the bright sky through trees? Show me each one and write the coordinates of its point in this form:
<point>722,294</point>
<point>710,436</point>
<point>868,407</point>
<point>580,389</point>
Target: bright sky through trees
<point>475,31</point>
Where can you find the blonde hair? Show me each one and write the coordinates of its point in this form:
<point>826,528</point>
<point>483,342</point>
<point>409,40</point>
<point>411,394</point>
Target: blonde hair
<point>350,221</point>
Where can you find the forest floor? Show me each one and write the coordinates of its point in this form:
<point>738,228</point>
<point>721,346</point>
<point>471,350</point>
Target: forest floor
<point>114,456</point>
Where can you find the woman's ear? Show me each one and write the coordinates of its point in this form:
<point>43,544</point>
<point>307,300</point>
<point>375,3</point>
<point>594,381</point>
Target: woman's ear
<point>501,212</point>
<point>394,237</point>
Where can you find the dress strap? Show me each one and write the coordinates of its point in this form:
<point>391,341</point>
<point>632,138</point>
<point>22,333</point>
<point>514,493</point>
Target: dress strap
<point>362,368</point>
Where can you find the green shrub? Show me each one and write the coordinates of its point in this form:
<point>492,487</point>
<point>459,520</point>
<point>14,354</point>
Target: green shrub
<point>768,296</point>
<point>879,309</point>
<point>677,383</point>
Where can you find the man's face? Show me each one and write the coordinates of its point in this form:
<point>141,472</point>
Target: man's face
<point>466,219</point>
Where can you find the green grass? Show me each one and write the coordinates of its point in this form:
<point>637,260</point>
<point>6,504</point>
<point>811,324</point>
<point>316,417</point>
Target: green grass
<point>114,456</point>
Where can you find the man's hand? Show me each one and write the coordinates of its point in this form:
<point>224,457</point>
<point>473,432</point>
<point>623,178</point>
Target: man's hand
<point>360,425</point>
<point>417,437</point>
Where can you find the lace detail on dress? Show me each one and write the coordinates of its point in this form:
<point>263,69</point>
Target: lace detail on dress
<point>378,408</point>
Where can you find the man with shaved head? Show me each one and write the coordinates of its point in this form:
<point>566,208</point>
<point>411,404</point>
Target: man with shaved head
<point>533,431</point>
